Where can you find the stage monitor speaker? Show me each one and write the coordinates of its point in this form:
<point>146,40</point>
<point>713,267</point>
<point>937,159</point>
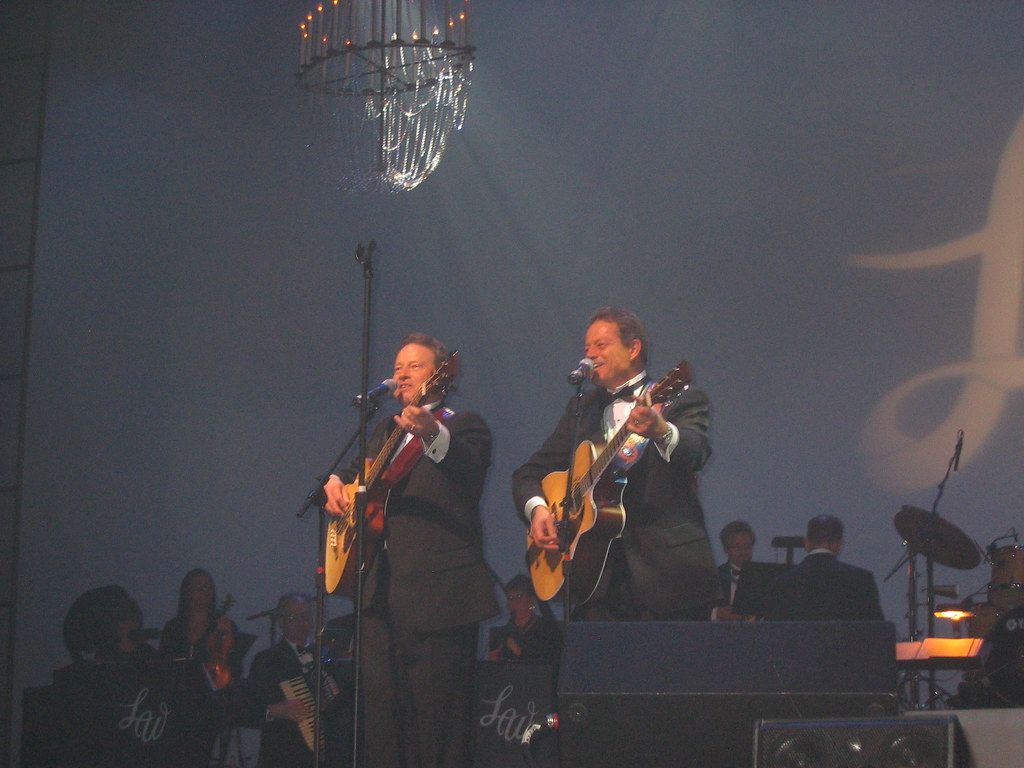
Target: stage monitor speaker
<point>679,694</point>
<point>925,742</point>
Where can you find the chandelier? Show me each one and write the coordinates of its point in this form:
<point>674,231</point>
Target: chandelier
<point>386,83</point>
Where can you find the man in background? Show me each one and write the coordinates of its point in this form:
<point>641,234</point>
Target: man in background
<point>821,588</point>
<point>737,540</point>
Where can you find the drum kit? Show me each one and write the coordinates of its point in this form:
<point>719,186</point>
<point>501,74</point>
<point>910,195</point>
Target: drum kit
<point>925,533</point>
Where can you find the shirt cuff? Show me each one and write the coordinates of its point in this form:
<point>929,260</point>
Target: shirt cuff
<point>531,505</point>
<point>666,448</point>
<point>437,448</point>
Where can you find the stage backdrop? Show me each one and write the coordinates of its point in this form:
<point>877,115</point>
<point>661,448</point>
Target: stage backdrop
<point>820,205</point>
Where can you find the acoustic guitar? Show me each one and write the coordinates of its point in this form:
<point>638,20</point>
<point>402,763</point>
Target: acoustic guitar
<point>592,506</point>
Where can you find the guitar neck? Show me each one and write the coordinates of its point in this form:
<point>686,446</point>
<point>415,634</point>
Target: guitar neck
<point>387,449</point>
<point>678,378</point>
<point>382,456</point>
<point>604,458</point>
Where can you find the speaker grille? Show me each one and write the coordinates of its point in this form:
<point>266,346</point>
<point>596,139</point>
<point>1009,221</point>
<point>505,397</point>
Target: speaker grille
<point>888,743</point>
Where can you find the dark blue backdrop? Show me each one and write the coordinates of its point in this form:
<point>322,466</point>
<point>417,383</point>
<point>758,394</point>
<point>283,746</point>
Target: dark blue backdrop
<point>725,169</point>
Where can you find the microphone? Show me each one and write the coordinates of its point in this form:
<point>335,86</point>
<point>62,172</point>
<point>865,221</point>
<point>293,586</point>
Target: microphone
<point>582,371</point>
<point>958,449</point>
<point>386,387</point>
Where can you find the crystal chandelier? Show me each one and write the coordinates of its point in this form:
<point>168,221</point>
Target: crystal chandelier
<point>387,82</point>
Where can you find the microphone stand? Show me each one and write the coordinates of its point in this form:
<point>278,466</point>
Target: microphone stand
<point>367,409</point>
<point>567,506</point>
<point>365,259</point>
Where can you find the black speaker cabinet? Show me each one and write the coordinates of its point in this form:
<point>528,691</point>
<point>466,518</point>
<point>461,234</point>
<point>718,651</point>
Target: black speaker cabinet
<point>689,693</point>
<point>511,696</point>
<point>920,742</point>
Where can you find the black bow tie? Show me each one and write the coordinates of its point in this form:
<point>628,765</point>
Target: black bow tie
<point>606,398</point>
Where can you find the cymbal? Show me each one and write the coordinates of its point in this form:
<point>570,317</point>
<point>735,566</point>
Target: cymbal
<point>929,534</point>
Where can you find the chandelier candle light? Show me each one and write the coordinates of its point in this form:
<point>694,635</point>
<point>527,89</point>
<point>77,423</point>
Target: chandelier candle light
<point>387,82</point>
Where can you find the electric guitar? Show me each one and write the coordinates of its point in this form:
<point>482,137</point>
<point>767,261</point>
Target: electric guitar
<point>379,476</point>
<point>592,507</point>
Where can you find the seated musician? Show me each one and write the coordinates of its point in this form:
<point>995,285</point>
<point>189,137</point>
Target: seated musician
<point>281,740</point>
<point>105,624</point>
<point>532,632</point>
<point>661,567</point>
<point>737,540</point>
<point>821,588</point>
<point>184,636</point>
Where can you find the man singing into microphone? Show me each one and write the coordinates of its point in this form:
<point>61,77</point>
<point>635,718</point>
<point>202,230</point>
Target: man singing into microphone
<point>661,568</point>
<point>428,587</point>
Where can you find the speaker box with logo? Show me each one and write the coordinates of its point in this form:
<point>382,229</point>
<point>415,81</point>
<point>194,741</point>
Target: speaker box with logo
<point>689,693</point>
<point>924,742</point>
<point>510,697</point>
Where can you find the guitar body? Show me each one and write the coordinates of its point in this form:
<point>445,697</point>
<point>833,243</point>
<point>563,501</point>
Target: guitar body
<point>340,560</point>
<point>592,527</point>
<point>596,515</point>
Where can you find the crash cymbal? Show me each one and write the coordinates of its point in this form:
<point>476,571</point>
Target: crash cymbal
<point>929,534</point>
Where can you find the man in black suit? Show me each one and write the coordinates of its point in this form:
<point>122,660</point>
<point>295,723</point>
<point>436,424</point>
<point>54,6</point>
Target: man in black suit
<point>822,588</point>
<point>737,540</point>
<point>661,567</point>
<point>281,743</point>
<point>428,587</point>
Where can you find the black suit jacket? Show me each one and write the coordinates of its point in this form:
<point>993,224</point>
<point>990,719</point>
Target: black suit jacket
<point>281,744</point>
<point>725,582</point>
<point>665,541</point>
<point>432,574</point>
<point>822,588</point>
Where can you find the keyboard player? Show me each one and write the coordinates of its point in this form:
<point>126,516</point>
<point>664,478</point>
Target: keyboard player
<point>287,666</point>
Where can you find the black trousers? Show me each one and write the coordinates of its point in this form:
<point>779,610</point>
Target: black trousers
<point>615,600</point>
<point>418,695</point>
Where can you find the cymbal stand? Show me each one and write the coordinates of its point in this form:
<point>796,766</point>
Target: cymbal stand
<point>930,534</point>
<point>911,679</point>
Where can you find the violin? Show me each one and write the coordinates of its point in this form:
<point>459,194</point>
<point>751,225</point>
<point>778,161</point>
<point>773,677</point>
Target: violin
<point>219,644</point>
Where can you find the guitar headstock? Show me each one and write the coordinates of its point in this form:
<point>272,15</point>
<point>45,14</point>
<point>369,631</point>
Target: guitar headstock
<point>438,385</point>
<point>672,384</point>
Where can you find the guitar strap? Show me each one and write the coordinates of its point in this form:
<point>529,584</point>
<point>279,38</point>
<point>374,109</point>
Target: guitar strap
<point>632,448</point>
<point>410,453</point>
<point>629,454</point>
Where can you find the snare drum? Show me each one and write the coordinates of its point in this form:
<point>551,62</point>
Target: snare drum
<point>1006,590</point>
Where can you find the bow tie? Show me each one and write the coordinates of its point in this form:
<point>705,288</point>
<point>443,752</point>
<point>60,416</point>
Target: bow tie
<point>606,398</point>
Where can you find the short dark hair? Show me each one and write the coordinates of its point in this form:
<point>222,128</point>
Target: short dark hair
<point>521,583</point>
<point>631,327</point>
<point>441,353</point>
<point>735,528</point>
<point>824,529</point>
<point>292,597</point>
